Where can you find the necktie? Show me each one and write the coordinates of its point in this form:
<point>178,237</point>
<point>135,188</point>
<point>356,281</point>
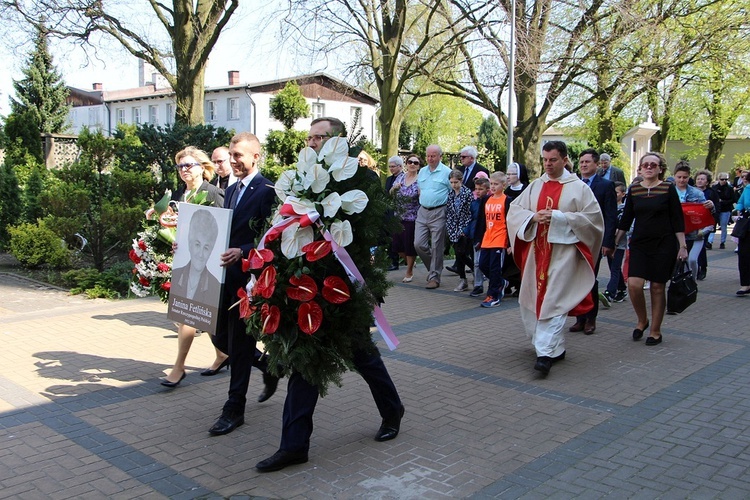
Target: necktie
<point>467,174</point>
<point>236,195</point>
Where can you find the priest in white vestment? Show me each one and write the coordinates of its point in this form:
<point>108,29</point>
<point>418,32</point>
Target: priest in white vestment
<point>555,228</point>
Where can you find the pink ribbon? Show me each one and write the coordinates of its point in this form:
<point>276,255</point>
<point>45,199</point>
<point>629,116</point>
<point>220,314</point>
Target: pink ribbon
<point>342,256</point>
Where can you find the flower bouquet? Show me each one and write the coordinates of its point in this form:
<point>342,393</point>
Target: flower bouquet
<point>152,249</point>
<point>318,284</point>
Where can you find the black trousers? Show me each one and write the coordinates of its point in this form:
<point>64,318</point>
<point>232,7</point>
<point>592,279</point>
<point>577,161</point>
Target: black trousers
<point>743,260</point>
<point>231,339</point>
<point>302,397</point>
<point>592,314</point>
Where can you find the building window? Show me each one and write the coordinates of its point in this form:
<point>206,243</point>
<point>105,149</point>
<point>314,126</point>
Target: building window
<point>318,110</point>
<point>94,118</point>
<point>211,111</point>
<point>137,116</point>
<point>233,108</point>
<point>153,115</point>
<point>120,115</point>
<point>170,114</point>
<point>355,115</point>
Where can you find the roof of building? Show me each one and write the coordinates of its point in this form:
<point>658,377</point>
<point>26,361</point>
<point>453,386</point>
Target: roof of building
<point>315,85</point>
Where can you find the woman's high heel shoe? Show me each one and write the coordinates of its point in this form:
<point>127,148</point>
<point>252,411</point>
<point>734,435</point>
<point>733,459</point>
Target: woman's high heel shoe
<point>208,372</point>
<point>638,333</point>
<point>167,383</point>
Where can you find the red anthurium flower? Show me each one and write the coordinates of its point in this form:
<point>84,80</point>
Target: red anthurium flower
<point>143,281</point>
<point>309,317</point>
<point>256,259</point>
<point>166,285</point>
<point>270,316</point>
<point>316,250</point>
<point>246,308</point>
<point>142,245</point>
<point>335,290</point>
<point>266,283</point>
<point>304,288</point>
<point>162,266</point>
<point>134,257</point>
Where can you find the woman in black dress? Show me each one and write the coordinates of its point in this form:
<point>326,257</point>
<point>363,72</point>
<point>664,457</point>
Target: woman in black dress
<point>658,239</point>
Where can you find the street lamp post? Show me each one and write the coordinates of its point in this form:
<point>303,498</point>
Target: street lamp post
<point>511,80</point>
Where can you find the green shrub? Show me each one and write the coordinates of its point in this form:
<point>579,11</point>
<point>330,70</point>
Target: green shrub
<point>36,244</point>
<point>112,283</point>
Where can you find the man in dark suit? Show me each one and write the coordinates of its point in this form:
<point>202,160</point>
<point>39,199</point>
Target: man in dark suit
<point>251,198</point>
<point>605,194</point>
<point>470,167</point>
<point>224,177</point>
<point>301,397</point>
<point>607,171</point>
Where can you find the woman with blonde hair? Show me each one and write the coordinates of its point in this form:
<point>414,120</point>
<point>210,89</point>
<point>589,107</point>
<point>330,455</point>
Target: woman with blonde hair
<point>195,170</point>
<point>365,160</point>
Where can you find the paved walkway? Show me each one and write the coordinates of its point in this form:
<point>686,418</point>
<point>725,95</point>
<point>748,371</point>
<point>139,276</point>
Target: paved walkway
<point>82,414</point>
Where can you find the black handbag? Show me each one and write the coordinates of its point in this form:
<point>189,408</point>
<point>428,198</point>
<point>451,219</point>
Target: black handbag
<point>741,225</point>
<point>683,290</point>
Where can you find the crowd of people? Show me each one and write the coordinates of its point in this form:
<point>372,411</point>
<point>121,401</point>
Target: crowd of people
<point>541,240</point>
<point>542,252</point>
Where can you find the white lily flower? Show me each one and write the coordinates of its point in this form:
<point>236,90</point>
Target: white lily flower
<point>331,204</point>
<point>293,238</point>
<point>306,159</point>
<point>354,201</point>
<point>300,206</point>
<point>341,232</point>
<point>316,177</point>
<point>335,149</point>
<point>284,184</point>
<point>344,168</point>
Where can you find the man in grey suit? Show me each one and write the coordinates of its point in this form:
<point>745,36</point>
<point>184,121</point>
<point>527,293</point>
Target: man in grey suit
<point>607,171</point>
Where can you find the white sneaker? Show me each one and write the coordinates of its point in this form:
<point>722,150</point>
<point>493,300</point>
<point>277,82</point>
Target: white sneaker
<point>462,286</point>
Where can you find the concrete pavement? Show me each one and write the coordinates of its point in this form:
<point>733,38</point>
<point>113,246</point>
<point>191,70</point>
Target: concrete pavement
<point>82,414</point>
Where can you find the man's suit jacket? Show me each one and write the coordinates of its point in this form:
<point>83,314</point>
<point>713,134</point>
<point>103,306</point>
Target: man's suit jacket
<point>248,217</point>
<point>605,194</point>
<point>474,171</point>
<point>615,175</point>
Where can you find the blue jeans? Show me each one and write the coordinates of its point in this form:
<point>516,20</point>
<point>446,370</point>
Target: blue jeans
<point>616,282</point>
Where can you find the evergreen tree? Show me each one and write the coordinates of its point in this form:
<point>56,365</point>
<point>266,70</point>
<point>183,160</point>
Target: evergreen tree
<point>287,106</point>
<point>34,185</point>
<point>10,202</point>
<point>42,90</point>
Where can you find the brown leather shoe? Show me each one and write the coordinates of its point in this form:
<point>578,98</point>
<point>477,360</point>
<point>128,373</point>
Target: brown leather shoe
<point>577,327</point>
<point>590,327</point>
<point>432,284</point>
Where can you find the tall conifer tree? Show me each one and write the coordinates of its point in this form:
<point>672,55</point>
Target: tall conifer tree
<point>42,91</point>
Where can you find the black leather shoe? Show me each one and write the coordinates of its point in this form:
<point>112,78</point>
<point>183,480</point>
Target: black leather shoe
<point>271,383</point>
<point>281,459</point>
<point>167,383</point>
<point>208,372</point>
<point>227,423</point>
<point>653,340</point>
<point>451,269</point>
<point>559,358</point>
<point>638,333</point>
<point>389,430</point>
<point>543,364</point>
<point>577,326</point>
<point>393,267</point>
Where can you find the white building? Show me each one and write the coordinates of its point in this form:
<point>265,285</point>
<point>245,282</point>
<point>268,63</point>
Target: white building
<point>238,106</point>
